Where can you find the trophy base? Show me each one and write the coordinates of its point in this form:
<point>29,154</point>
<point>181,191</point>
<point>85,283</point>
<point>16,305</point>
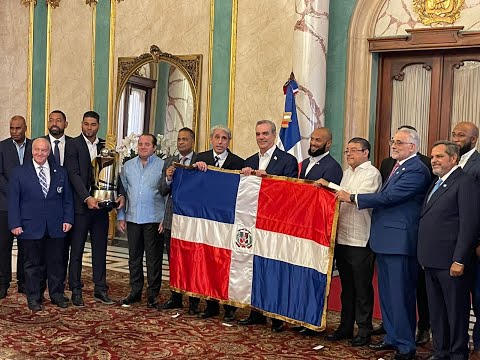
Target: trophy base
<point>107,205</point>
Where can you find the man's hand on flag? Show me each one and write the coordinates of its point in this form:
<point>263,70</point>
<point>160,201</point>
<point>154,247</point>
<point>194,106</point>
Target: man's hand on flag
<point>201,165</point>
<point>321,182</point>
<point>169,173</point>
<point>343,196</point>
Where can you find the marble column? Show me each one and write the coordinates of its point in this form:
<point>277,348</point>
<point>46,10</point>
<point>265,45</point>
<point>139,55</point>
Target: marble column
<point>310,64</point>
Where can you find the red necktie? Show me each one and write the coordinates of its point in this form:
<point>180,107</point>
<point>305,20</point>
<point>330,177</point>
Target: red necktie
<point>397,165</point>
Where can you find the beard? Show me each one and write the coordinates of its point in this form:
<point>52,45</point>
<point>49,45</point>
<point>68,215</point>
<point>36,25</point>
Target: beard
<point>55,130</point>
<point>318,152</point>
<point>465,148</point>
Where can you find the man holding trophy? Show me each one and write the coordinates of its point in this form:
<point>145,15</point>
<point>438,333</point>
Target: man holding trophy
<point>94,196</point>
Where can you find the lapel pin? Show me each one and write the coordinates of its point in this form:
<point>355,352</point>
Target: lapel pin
<point>403,169</point>
<point>444,185</point>
<point>274,158</point>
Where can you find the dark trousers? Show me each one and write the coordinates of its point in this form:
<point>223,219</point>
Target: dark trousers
<point>214,307</point>
<point>94,222</point>
<point>176,296</point>
<point>449,304</point>
<point>397,282</point>
<point>476,304</point>
<point>423,323</point>
<point>43,260</point>
<point>355,266</point>
<point>145,238</point>
<point>6,244</point>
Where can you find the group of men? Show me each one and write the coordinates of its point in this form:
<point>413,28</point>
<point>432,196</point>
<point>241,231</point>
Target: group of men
<point>423,234</point>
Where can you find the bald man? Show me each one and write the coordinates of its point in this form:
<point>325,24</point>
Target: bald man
<point>465,135</point>
<point>13,152</point>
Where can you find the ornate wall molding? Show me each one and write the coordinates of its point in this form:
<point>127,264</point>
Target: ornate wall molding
<point>53,3</point>
<point>28,2</point>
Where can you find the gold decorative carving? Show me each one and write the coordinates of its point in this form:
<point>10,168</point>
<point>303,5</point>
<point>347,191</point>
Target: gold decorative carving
<point>28,2</point>
<point>91,2</point>
<point>438,11</point>
<point>53,3</point>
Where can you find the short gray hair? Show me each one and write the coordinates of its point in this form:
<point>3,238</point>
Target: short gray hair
<point>222,128</point>
<point>269,122</point>
<point>413,135</point>
<point>451,148</point>
<point>42,139</point>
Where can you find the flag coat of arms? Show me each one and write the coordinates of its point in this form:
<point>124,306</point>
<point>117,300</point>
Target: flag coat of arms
<point>265,242</point>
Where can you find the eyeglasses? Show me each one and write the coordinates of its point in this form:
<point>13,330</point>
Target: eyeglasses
<point>398,142</point>
<point>348,151</point>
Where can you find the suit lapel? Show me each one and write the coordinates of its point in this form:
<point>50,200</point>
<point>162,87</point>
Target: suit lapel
<point>272,163</point>
<point>36,181</point>
<point>447,185</point>
<point>471,161</point>
<point>13,150</point>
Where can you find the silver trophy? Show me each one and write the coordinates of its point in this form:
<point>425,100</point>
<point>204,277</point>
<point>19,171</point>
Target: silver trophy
<point>105,174</point>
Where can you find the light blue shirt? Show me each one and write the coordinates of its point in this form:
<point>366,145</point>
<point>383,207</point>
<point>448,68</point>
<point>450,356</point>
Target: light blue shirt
<point>142,186</point>
<point>20,150</point>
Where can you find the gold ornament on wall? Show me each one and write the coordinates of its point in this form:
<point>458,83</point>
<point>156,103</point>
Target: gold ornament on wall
<point>28,2</point>
<point>438,11</point>
<point>53,3</point>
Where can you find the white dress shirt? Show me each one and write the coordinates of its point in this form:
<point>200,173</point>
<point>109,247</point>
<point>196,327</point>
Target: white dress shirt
<point>92,147</point>
<point>465,157</point>
<point>61,146</point>
<point>353,224</point>
<point>221,157</point>
<point>264,160</point>
<point>46,171</point>
<point>315,160</point>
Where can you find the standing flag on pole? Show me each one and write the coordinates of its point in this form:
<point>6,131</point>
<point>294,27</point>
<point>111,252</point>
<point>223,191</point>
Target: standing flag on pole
<point>262,242</point>
<point>290,131</point>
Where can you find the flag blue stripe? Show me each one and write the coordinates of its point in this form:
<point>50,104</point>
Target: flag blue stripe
<point>215,201</point>
<point>289,290</point>
<point>291,135</point>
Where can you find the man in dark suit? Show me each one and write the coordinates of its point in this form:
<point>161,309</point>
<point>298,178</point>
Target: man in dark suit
<point>89,218</point>
<point>393,238</point>
<point>465,135</point>
<point>57,123</point>
<point>446,250</point>
<point>40,213</point>
<point>423,323</point>
<point>320,164</point>
<point>186,156</point>
<point>13,152</point>
<point>270,160</point>
<point>220,156</point>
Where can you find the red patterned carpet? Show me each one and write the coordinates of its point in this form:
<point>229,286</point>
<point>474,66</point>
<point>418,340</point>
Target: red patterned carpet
<point>113,332</point>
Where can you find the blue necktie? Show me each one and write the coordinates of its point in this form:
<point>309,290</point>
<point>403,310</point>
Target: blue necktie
<point>435,188</point>
<point>56,152</point>
<point>43,181</point>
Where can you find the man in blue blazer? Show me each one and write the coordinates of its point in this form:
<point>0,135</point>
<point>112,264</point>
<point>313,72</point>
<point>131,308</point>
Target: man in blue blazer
<point>393,237</point>
<point>320,164</point>
<point>40,213</point>
<point>465,135</point>
<point>270,160</point>
<point>446,250</point>
<point>13,152</point>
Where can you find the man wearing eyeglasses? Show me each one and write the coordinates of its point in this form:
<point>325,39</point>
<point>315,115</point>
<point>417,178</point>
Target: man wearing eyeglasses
<point>423,323</point>
<point>393,238</point>
<point>353,255</point>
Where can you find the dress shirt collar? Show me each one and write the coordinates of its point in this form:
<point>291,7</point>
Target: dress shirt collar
<point>221,156</point>
<point>188,157</point>
<point>149,159</point>
<point>268,153</point>
<point>408,158</point>
<point>89,142</point>
<point>62,139</point>
<point>445,177</point>
<point>45,166</point>
<point>465,157</point>
<point>317,159</point>
<point>364,165</point>
<point>20,145</point>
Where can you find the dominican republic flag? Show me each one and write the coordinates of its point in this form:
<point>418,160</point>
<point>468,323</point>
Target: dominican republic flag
<point>250,241</point>
<point>290,130</point>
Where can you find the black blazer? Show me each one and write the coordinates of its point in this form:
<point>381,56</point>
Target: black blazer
<point>50,157</point>
<point>8,160</point>
<point>472,167</point>
<point>387,165</point>
<point>449,226</point>
<point>80,169</point>
<point>232,162</point>
<point>281,164</point>
<point>327,168</point>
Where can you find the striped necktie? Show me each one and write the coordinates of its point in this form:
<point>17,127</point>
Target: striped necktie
<point>217,158</point>
<point>43,181</point>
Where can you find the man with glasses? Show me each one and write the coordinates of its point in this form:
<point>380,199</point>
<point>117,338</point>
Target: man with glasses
<point>353,255</point>
<point>393,238</point>
<point>465,135</point>
<point>423,323</point>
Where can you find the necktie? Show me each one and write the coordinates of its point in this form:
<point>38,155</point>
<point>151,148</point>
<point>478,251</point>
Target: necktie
<point>56,152</point>
<point>183,159</point>
<point>43,181</point>
<point>435,188</point>
<point>217,158</point>
<point>397,165</point>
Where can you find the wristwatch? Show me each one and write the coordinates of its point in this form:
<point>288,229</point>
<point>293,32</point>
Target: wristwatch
<point>352,198</point>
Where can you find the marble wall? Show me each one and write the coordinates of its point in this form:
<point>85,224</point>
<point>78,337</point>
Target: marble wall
<point>177,27</point>
<point>71,59</point>
<point>264,63</point>
<point>13,63</point>
<point>396,16</point>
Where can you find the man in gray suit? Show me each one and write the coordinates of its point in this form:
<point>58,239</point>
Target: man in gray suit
<point>465,135</point>
<point>186,156</point>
